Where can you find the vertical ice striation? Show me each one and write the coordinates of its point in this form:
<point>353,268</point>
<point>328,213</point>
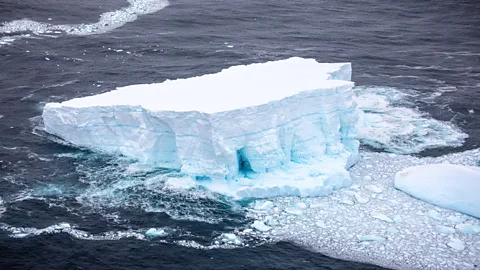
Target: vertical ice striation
<point>277,128</point>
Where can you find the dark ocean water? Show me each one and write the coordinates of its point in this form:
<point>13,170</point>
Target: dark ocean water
<point>429,47</point>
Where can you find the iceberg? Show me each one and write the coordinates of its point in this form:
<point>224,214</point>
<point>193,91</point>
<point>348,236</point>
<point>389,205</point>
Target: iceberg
<point>284,127</point>
<point>451,186</point>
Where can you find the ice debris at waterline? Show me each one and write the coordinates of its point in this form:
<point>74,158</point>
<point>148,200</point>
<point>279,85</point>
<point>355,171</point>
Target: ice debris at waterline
<point>392,229</point>
<point>278,128</point>
<point>455,187</point>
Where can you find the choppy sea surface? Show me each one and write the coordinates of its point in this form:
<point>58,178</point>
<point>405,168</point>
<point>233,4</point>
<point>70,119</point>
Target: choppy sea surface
<point>416,65</point>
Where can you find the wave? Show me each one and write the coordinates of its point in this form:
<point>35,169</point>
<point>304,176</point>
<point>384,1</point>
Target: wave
<point>391,123</point>
<point>107,22</point>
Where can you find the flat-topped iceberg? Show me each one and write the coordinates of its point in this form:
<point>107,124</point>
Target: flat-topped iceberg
<point>451,186</point>
<point>277,128</point>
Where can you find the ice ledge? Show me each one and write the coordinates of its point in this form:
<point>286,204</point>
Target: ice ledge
<point>277,128</point>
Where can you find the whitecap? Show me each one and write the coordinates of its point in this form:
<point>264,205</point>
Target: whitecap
<point>108,21</point>
<point>351,231</point>
<point>390,122</point>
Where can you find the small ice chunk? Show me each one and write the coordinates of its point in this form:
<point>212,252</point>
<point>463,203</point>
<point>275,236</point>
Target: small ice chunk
<point>435,215</point>
<point>62,226</point>
<point>293,211</point>
<point>456,219</point>
<point>392,230</point>
<point>468,228</point>
<point>370,238</point>
<point>445,229</point>
<point>347,201</point>
<point>296,208</point>
<point>397,218</point>
<point>231,238</point>
<point>367,178</point>
<point>373,188</point>
<point>318,205</point>
<point>349,192</point>
<point>154,232</point>
<point>382,217</point>
<point>360,199</point>
<point>298,205</point>
<point>247,231</point>
<point>270,221</point>
<point>321,224</point>
<point>456,244</point>
<point>260,226</point>
<point>263,206</point>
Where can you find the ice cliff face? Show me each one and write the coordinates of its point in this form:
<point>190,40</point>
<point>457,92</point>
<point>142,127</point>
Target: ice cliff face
<point>277,128</point>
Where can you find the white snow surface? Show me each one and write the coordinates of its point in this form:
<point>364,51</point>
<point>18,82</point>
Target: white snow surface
<point>278,128</point>
<point>451,186</point>
<point>237,87</point>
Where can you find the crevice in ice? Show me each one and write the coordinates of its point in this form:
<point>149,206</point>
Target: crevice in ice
<point>244,166</point>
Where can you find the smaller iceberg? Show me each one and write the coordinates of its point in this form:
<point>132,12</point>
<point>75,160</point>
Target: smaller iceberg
<point>451,186</point>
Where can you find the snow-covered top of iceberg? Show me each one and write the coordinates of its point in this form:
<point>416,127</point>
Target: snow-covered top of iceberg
<point>451,186</point>
<point>233,88</point>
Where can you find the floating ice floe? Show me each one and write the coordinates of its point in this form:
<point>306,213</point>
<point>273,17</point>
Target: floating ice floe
<point>451,186</point>
<point>382,217</point>
<point>260,226</point>
<point>263,205</point>
<point>371,238</point>
<point>444,229</point>
<point>456,244</point>
<point>435,215</point>
<point>231,238</point>
<point>468,228</point>
<point>154,233</point>
<point>456,218</point>
<point>278,128</point>
<point>373,188</point>
<point>361,199</point>
<point>398,218</point>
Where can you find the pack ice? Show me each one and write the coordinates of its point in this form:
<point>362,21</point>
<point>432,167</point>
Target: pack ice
<point>277,128</point>
<point>451,186</point>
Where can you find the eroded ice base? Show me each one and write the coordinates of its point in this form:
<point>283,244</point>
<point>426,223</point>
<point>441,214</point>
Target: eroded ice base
<point>373,222</point>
